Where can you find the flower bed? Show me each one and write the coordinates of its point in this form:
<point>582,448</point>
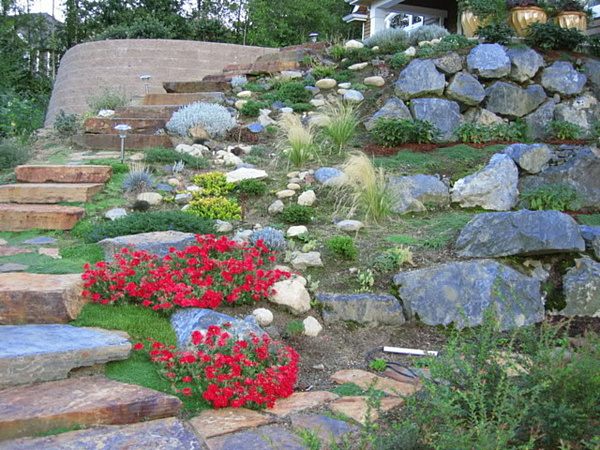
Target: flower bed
<point>215,270</point>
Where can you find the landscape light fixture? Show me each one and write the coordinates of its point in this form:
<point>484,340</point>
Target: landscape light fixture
<point>146,80</point>
<point>313,37</point>
<point>122,128</point>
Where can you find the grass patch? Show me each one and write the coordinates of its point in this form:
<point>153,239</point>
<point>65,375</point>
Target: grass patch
<point>348,390</point>
<point>589,219</point>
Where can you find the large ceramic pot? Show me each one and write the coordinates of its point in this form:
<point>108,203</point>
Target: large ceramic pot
<point>522,17</point>
<point>572,19</point>
<point>470,23</point>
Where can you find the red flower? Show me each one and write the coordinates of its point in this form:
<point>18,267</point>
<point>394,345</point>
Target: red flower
<point>138,346</point>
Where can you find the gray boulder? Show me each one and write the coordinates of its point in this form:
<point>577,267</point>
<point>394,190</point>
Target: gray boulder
<point>450,63</point>
<point>591,236</point>
<point>525,63</point>
<point>394,108</point>
<point>418,79</point>
<point>521,232</point>
<point>493,187</point>
<point>538,121</point>
<point>465,88</point>
<point>443,114</point>
<point>581,286</point>
<point>157,243</point>
<point>185,321</point>
<point>416,192</point>
<point>532,158</point>
<point>366,309</point>
<point>462,292</point>
<point>481,116</point>
<point>325,174</point>
<point>489,61</point>
<point>592,70</point>
<point>582,111</point>
<point>511,100</point>
<point>562,78</point>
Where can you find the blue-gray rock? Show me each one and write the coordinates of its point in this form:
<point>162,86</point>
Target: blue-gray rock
<point>183,198</point>
<point>525,63</point>
<point>157,243</point>
<point>443,114</point>
<point>394,108</point>
<point>366,309</point>
<point>489,61</point>
<point>324,174</point>
<point>592,70</point>
<point>591,236</point>
<point>462,292</point>
<point>12,267</point>
<point>417,192</point>
<point>521,232</point>
<point>327,429</point>
<point>262,438</point>
<point>450,63</point>
<point>352,95</point>
<point>40,240</point>
<point>532,158</point>
<point>583,111</point>
<point>539,120</point>
<point>277,105</point>
<point>256,127</point>
<point>418,79</point>
<point>312,89</point>
<point>115,213</point>
<point>562,78</point>
<point>494,187</point>
<point>164,187</point>
<point>581,286</point>
<point>465,88</point>
<point>511,100</point>
<point>187,320</point>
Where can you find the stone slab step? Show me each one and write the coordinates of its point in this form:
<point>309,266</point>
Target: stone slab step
<point>146,112</point>
<point>113,142</point>
<point>184,99</point>
<point>84,402</point>
<point>63,174</point>
<point>48,192</point>
<point>188,87</point>
<point>15,217</point>
<point>107,125</point>
<point>39,298</point>
<point>35,353</point>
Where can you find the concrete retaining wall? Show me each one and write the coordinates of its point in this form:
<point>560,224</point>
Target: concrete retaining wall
<point>89,68</point>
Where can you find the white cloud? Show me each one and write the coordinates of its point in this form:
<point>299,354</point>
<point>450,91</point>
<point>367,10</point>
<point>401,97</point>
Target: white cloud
<point>47,6</point>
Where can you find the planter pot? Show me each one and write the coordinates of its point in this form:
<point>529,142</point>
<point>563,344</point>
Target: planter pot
<point>572,19</point>
<point>522,17</point>
<point>470,23</point>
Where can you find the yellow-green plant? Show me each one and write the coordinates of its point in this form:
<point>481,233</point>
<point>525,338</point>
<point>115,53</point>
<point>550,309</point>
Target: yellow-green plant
<point>296,140</point>
<point>214,208</point>
<point>342,123</point>
<point>213,184</point>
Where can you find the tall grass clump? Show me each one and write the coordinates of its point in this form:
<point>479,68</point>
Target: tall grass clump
<point>365,188</point>
<point>390,40</point>
<point>342,123</point>
<point>297,140</point>
<point>107,99</point>
<point>139,178</point>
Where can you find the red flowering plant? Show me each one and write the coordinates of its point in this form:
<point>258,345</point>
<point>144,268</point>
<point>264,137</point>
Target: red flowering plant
<point>204,275</point>
<point>225,371</point>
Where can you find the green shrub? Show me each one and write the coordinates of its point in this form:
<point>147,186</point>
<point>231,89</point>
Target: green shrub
<point>393,259</point>
<point>399,60</point>
<point>559,197</point>
<point>319,72</point>
<point>294,328</point>
<point>300,107</point>
<point>499,32</point>
<point>213,184</point>
<point>476,133</point>
<point>107,99</point>
<point>296,214</point>
<point>13,153</point>
<point>550,36</point>
<point>217,208</point>
<point>389,40</point>
<point>252,108</point>
<point>66,125</point>
<point>393,132</point>
<point>117,166</point>
<point>256,86</point>
<point>138,222</point>
<point>426,33</point>
<point>593,47</point>
<point>141,28</point>
<point>449,43</point>
<point>251,188</point>
<point>378,364</point>
<point>289,92</point>
<point>342,247</point>
<point>159,155</point>
<point>337,52</point>
<point>353,56</point>
<point>20,116</point>
<point>563,130</point>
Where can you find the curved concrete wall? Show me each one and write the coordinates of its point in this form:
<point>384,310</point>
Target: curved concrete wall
<point>89,68</point>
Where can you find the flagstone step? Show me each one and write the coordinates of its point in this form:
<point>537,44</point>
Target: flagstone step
<point>48,352</point>
<point>39,298</point>
<point>106,125</point>
<point>16,217</point>
<point>146,111</point>
<point>46,193</point>
<point>80,402</point>
<point>113,142</point>
<point>184,99</point>
<point>188,87</point>
<point>63,174</point>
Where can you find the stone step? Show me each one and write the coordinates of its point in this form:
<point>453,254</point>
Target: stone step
<point>15,217</point>
<point>48,352</point>
<point>147,111</point>
<point>188,87</point>
<point>184,99</point>
<point>39,298</point>
<point>63,174</point>
<point>79,402</point>
<point>107,125</point>
<point>113,142</point>
<point>48,192</point>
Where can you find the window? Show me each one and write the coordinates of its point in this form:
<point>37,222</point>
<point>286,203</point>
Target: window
<point>594,5</point>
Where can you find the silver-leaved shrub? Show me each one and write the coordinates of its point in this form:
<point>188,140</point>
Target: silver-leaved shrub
<point>214,118</point>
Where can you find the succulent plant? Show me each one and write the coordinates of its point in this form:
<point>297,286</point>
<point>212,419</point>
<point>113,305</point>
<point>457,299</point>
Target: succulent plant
<point>272,238</point>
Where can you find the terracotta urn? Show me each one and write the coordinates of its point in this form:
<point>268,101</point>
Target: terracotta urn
<point>522,17</point>
<point>572,19</point>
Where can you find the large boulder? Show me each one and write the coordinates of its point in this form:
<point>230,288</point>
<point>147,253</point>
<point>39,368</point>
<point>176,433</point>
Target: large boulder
<point>394,108</point>
<point>581,285</point>
<point>583,111</point>
<point>465,88</point>
<point>157,243</point>
<point>539,120</point>
<point>493,187</point>
<point>562,78</point>
<point>532,158</point>
<point>416,192</point>
<point>420,78</point>
<point>482,116</point>
<point>591,236</point>
<point>443,114</point>
<point>511,100</point>
<point>525,63</point>
<point>462,292</point>
<point>366,309</point>
<point>489,61</point>
<point>450,63</point>
<point>519,233</point>
<point>592,69</point>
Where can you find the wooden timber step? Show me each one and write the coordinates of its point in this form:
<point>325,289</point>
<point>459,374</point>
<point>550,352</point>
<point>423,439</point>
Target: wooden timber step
<point>46,193</point>
<point>113,142</point>
<point>17,217</point>
<point>147,111</point>
<point>46,352</point>
<point>101,125</point>
<point>63,174</point>
<point>39,298</point>
<point>80,402</point>
<point>184,99</point>
<point>189,87</point>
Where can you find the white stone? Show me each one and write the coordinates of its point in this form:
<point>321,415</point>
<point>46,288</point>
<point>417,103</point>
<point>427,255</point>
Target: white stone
<point>374,81</point>
<point>319,120</point>
<point>276,207</point>
<point>137,157</point>
<point>307,198</point>
<point>245,173</point>
<point>222,226</point>
<point>115,213</point>
<point>358,66</point>
<point>435,41</point>
<point>263,316</point>
<point>345,85</point>
<point>292,174</point>
<point>286,193</point>
<point>342,91</point>
<point>290,74</point>
<point>173,182</point>
<point>354,44</point>
<point>240,104</point>
<point>326,83</point>
<point>353,96</point>
<point>106,113</point>
<point>294,186</point>
<point>3,242</point>
<point>302,260</point>
<point>229,159</point>
<point>183,199</point>
<point>424,43</point>
<point>375,49</point>
<point>153,198</point>
<point>243,236</point>
<point>286,110</point>
<point>312,327</point>
<point>265,120</point>
<point>193,150</point>
<point>317,102</point>
<point>291,294</point>
<point>295,181</point>
<point>410,51</point>
<point>193,188</point>
<point>244,94</point>
<point>349,225</point>
<point>296,231</point>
